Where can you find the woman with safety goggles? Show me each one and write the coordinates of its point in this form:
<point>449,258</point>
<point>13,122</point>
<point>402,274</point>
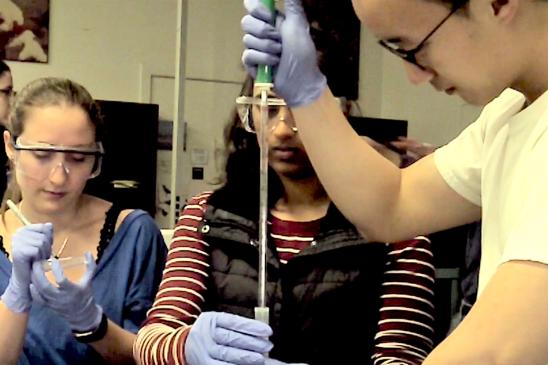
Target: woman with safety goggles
<point>325,281</point>
<point>88,268</point>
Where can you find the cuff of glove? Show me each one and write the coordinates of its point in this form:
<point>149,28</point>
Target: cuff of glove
<point>15,301</point>
<point>182,343</point>
<point>94,335</point>
<point>310,93</point>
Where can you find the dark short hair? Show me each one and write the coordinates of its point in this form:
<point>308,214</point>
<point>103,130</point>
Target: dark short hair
<point>4,67</point>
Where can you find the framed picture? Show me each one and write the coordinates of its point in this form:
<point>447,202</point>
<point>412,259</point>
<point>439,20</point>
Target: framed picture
<point>24,30</point>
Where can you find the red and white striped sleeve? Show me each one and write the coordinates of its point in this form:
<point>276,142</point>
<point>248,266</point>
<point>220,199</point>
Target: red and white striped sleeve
<point>180,296</point>
<point>406,325</point>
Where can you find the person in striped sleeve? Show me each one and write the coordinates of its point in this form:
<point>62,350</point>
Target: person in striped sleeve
<point>326,283</point>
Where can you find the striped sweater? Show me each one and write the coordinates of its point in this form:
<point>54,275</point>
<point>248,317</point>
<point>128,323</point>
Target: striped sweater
<point>405,328</point>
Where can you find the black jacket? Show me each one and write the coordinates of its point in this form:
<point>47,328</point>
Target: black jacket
<point>318,301</point>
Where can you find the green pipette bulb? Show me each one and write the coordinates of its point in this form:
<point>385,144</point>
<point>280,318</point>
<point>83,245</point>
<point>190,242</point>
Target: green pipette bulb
<point>264,72</point>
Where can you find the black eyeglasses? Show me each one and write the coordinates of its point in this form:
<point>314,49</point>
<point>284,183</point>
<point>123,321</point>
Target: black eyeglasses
<point>411,54</point>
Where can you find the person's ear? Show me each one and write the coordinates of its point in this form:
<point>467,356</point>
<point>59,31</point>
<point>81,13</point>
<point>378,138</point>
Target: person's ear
<point>505,9</point>
<point>8,146</point>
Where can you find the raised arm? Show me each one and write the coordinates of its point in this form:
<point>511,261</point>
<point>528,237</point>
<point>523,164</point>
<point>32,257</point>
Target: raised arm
<point>373,194</point>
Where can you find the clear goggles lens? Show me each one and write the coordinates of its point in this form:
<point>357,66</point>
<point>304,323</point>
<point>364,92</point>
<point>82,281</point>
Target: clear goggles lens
<point>40,160</point>
<point>244,105</point>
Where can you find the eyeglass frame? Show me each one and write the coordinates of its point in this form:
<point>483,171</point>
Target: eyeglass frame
<point>97,151</point>
<point>249,101</point>
<point>411,54</point>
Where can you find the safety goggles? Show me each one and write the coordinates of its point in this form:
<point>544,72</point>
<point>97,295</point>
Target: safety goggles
<point>245,104</point>
<point>40,160</point>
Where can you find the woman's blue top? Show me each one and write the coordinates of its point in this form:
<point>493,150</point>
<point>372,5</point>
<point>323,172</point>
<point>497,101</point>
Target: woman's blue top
<point>125,284</point>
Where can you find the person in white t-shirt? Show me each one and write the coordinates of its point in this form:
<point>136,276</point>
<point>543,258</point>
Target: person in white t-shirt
<point>495,170</point>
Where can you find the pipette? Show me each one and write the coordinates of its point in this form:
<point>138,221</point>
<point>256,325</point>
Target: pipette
<point>263,83</point>
<point>65,262</point>
<point>17,212</point>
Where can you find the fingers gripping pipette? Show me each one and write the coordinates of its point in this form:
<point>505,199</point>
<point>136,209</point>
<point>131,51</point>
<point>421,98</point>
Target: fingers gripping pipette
<point>46,265</point>
<point>263,83</point>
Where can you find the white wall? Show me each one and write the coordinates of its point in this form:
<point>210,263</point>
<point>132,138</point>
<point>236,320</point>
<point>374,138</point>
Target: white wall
<point>433,116</point>
<point>215,40</point>
<point>101,43</point>
<point>214,74</point>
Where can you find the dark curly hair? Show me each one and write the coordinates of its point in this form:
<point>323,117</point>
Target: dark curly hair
<point>242,162</point>
<point>4,67</point>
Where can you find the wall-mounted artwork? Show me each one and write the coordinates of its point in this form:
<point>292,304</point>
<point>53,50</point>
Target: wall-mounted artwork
<point>24,30</point>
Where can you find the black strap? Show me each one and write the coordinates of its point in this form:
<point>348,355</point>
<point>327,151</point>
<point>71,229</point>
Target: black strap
<point>2,248</point>
<point>94,335</point>
<point>107,232</point>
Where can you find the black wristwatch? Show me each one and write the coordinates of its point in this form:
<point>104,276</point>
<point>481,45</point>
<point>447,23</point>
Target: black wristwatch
<point>93,335</point>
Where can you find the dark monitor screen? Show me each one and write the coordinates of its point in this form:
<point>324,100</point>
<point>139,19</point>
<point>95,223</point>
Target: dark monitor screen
<point>128,174</point>
<point>379,129</point>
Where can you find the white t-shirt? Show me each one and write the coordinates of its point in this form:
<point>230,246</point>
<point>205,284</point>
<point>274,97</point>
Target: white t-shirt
<point>500,162</point>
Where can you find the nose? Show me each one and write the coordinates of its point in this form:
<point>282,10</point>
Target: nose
<point>417,75</point>
<point>284,124</point>
<point>285,115</point>
<point>59,174</point>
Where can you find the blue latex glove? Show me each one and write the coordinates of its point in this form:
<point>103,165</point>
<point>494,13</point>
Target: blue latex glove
<point>221,338</point>
<point>277,362</point>
<point>288,46</point>
<point>29,244</point>
<point>72,301</point>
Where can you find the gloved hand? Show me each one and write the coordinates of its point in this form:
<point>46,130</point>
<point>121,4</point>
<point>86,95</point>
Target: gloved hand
<point>222,338</point>
<point>287,45</point>
<point>29,244</point>
<point>277,362</point>
<point>72,301</point>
